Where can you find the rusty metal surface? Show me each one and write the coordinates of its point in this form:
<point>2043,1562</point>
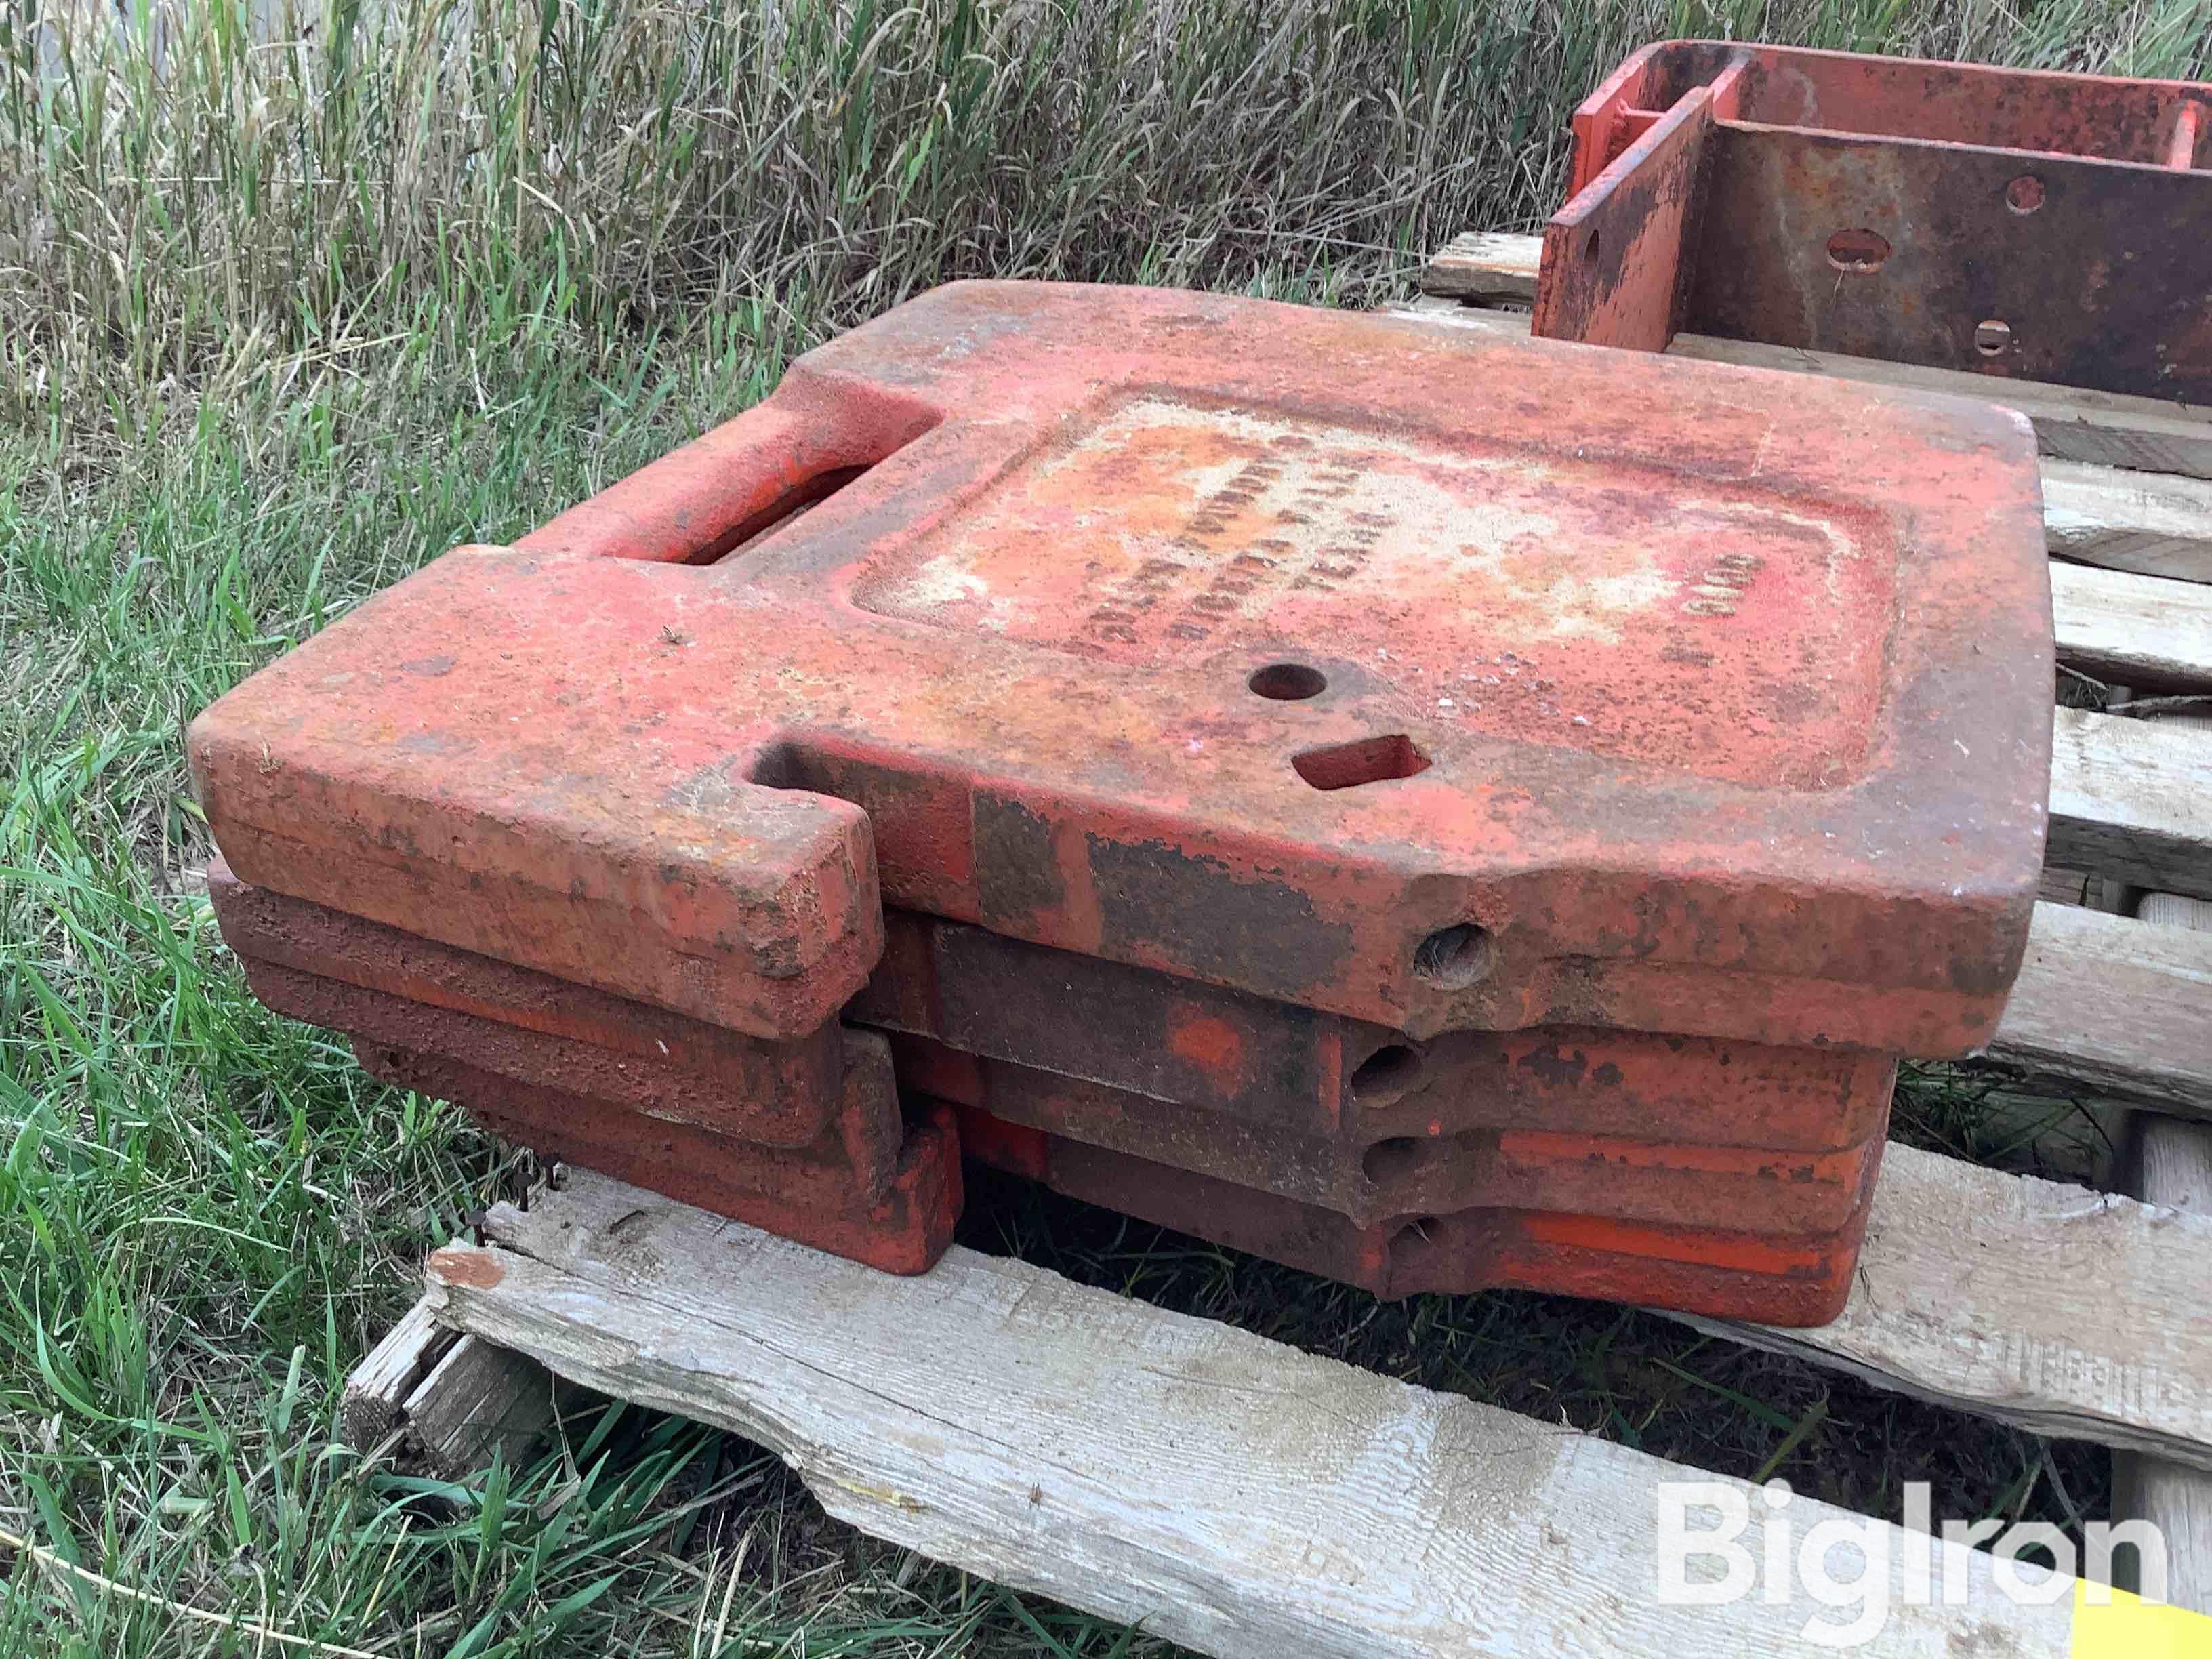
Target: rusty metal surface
<point>1624,241</point>
<point>2103,284</point>
<point>1801,1279</point>
<point>2004,222</point>
<point>1107,1022</point>
<point>899,1219</point>
<point>1651,695</point>
<point>1370,1176</point>
<point>1274,1063</point>
<point>513,1022</point>
<point>313,938</point>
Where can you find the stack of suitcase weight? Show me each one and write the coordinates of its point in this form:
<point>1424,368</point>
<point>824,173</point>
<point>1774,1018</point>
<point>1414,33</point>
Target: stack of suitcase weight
<point>1337,1146</point>
<point>1706,1168</point>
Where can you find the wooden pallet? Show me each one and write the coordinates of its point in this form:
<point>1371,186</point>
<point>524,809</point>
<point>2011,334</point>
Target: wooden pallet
<point>1243,1498</point>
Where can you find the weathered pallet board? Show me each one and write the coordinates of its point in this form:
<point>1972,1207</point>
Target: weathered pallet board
<point>1485,267</point>
<point>2117,1006</point>
<point>2172,1165</point>
<point>2075,1314</point>
<point>2144,632</point>
<point>2146,523</point>
<point>1222,1490</point>
<point>2129,799</point>
<point>444,1401</point>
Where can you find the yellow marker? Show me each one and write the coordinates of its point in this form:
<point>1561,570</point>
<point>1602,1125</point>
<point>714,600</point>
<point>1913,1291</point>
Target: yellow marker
<point>2132,1628</point>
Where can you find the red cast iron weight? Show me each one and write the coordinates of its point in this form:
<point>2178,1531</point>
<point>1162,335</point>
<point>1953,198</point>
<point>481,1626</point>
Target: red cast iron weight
<point>1652,1177</point>
<point>2009,222</point>
<point>899,1221</point>
<point>1776,1280</point>
<point>1435,682</point>
<point>359,976</point>
<point>1214,1059</point>
<point>1630,1126</point>
<point>1277,1066</point>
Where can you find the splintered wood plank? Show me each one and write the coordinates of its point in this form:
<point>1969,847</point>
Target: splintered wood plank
<point>375,1397</point>
<point>2071,424</point>
<point>2071,1313</point>
<point>445,1399</point>
<point>1228,1492</point>
<point>2144,632</point>
<point>476,1401</point>
<point>2118,1005</point>
<point>2132,799</point>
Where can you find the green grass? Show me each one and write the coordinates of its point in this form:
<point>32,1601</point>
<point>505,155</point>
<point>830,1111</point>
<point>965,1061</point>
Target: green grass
<point>283,314</point>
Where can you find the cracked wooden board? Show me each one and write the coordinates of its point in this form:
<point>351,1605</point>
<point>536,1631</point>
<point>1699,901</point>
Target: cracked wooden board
<point>2075,1314</point>
<point>1225,1491</point>
<point>2120,1006</point>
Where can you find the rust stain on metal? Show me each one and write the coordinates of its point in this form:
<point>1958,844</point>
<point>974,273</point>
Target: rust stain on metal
<point>463,1265</point>
<point>2008,222</point>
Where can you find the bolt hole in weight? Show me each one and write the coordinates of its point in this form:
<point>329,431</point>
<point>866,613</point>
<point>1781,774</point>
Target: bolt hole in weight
<point>2024,194</point>
<point>1386,1160</point>
<point>1858,251</point>
<point>1414,1238</point>
<point>1992,337</point>
<point>1288,682</point>
<point>1385,1074</point>
<point>1453,958</point>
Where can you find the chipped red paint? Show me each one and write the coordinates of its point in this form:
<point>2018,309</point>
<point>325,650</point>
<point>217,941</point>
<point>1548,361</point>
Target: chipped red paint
<point>1731,686</point>
<point>1889,208</point>
<point>901,1225</point>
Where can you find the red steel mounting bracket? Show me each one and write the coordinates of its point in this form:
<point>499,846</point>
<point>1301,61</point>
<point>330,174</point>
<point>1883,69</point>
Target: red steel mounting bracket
<point>2024,225</point>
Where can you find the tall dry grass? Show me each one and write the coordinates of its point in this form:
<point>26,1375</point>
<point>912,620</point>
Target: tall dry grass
<point>193,190</point>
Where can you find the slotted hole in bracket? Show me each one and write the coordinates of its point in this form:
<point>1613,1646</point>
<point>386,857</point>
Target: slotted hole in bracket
<point>1860,252</point>
<point>1369,760</point>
